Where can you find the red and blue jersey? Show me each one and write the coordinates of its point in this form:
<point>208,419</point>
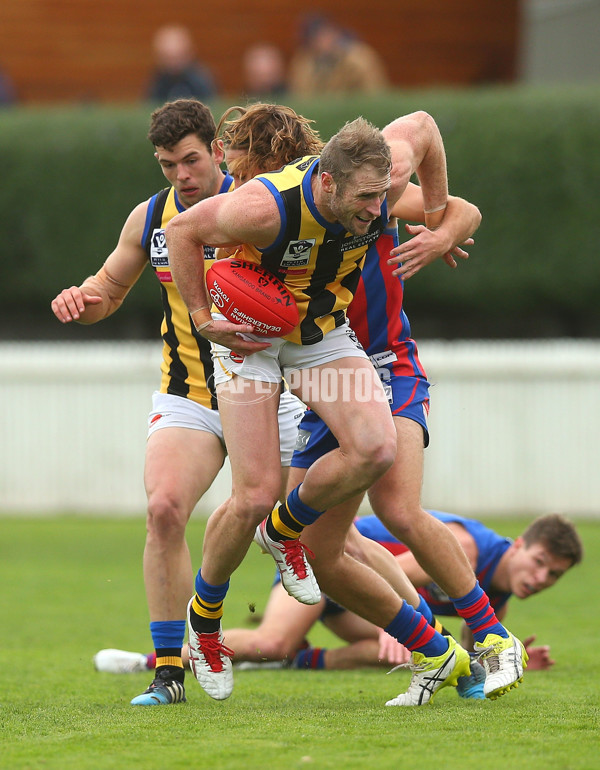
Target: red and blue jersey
<point>376,313</point>
<point>382,328</point>
<point>490,548</point>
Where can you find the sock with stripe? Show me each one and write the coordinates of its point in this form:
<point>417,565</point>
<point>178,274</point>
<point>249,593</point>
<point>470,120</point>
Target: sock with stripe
<point>167,637</point>
<point>311,657</point>
<point>207,606</point>
<point>411,629</point>
<point>475,609</point>
<point>287,521</point>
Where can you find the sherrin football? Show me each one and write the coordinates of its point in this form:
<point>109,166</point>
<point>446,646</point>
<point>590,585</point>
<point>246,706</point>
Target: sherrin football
<point>247,293</point>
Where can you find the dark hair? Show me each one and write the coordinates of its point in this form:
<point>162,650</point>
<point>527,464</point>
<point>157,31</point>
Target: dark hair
<point>271,134</point>
<point>173,121</point>
<point>557,535</point>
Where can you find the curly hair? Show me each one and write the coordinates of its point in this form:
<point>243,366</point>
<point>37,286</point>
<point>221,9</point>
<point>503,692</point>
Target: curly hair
<point>173,121</point>
<point>271,134</point>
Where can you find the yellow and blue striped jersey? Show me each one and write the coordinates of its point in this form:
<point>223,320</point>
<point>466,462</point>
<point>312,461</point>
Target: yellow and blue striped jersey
<point>319,261</point>
<point>186,365</point>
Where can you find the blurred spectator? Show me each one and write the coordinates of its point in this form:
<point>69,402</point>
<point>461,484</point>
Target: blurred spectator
<point>331,59</point>
<point>178,73</point>
<point>264,72</point>
<point>8,93</point>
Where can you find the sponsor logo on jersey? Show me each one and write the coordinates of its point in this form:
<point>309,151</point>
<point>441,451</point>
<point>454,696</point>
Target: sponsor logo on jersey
<point>358,241</point>
<point>302,438</point>
<point>383,358</point>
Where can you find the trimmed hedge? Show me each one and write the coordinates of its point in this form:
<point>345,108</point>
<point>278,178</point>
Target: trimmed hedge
<point>530,159</point>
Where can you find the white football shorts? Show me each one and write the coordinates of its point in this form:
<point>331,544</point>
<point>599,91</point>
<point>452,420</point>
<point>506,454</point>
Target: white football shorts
<point>283,357</point>
<point>170,411</point>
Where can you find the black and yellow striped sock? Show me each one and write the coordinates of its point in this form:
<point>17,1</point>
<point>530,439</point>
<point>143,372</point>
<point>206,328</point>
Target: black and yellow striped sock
<point>281,525</point>
<point>205,617</point>
<point>169,662</point>
<point>287,521</point>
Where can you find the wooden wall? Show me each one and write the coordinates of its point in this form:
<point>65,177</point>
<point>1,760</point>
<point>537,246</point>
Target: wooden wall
<point>81,50</point>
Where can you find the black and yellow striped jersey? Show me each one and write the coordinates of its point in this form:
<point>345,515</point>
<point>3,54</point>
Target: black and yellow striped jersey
<point>186,365</point>
<point>319,261</point>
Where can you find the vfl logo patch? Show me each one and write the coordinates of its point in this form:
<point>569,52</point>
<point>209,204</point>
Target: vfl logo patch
<point>159,254</point>
<point>298,253</point>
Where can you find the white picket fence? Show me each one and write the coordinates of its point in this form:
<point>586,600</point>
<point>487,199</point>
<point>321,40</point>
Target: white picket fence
<point>514,427</point>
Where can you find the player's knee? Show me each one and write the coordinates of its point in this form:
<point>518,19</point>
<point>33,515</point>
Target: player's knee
<point>276,647</point>
<point>402,519</point>
<point>386,452</point>
<point>375,455</point>
<point>166,517</point>
<point>252,505</point>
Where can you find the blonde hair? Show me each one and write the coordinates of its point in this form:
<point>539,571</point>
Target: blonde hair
<point>356,144</point>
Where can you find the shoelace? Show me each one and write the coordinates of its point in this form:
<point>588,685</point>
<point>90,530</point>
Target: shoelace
<point>213,648</point>
<point>410,666</point>
<point>294,551</point>
<point>415,667</point>
<point>492,659</point>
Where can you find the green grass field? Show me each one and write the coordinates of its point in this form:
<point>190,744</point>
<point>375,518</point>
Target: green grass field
<point>72,585</point>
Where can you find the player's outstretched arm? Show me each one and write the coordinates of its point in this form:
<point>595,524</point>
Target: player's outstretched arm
<point>101,294</point>
<point>443,237</point>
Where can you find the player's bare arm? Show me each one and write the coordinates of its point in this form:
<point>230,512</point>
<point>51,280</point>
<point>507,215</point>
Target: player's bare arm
<point>417,147</point>
<point>103,293</point>
<point>247,215</point>
<point>457,223</point>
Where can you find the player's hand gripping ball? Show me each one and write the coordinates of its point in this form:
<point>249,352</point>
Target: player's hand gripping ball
<point>247,293</point>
